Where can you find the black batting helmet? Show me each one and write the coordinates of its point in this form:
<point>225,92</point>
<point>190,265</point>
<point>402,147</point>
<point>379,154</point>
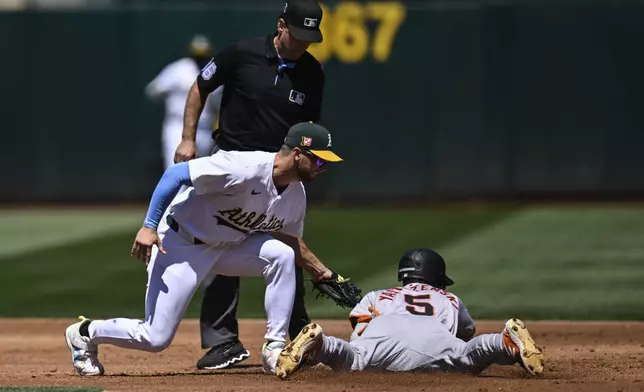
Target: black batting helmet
<point>424,264</point>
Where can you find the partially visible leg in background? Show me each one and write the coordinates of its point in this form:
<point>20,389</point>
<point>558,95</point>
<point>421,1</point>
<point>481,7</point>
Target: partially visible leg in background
<point>172,138</point>
<point>218,319</point>
<point>263,255</point>
<point>219,325</point>
<point>218,322</point>
<point>170,141</point>
<point>299,317</point>
<point>205,144</point>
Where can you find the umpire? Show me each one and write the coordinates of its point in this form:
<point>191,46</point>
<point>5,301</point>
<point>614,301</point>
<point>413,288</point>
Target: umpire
<point>270,83</point>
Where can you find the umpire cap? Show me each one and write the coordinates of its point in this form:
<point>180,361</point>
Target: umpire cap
<point>303,18</point>
<point>426,265</point>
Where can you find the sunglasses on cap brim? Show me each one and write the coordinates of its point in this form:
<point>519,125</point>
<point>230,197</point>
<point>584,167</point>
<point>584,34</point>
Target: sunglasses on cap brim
<point>319,162</point>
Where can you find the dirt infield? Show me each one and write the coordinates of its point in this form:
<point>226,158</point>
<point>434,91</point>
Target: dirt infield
<point>580,356</point>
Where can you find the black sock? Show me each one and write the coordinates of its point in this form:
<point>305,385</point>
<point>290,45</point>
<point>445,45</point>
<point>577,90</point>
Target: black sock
<point>84,329</point>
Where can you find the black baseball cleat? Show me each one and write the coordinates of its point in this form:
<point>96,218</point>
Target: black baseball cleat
<point>223,356</point>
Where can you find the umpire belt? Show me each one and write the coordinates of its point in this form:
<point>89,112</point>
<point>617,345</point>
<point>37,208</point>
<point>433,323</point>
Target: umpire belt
<point>174,225</point>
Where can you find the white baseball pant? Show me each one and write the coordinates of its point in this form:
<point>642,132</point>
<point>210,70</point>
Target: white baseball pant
<point>172,137</point>
<point>174,277</point>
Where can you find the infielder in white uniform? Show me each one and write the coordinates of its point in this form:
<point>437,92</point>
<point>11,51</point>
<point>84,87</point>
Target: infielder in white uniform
<point>418,326</point>
<point>241,215</point>
<point>172,85</point>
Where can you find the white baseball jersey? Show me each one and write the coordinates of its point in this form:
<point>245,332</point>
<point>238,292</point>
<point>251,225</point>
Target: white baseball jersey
<point>418,299</point>
<point>173,84</point>
<point>233,195</point>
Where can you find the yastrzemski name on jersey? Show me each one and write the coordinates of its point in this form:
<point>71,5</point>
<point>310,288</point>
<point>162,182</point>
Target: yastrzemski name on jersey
<point>418,299</point>
<point>390,294</point>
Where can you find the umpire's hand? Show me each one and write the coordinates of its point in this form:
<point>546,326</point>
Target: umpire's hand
<point>186,151</point>
<point>142,247</point>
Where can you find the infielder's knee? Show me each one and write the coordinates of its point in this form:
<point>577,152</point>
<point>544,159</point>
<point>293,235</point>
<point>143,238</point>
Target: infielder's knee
<point>280,257</point>
<point>155,340</point>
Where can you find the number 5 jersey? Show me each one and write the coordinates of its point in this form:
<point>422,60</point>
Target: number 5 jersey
<point>418,299</point>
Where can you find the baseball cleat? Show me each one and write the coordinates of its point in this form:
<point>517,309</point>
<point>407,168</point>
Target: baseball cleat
<point>223,356</point>
<point>270,353</point>
<point>518,341</point>
<point>299,351</point>
<point>84,353</point>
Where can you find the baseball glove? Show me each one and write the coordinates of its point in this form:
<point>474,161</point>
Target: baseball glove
<point>340,290</point>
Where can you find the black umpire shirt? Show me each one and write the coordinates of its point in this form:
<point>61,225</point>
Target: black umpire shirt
<point>263,94</point>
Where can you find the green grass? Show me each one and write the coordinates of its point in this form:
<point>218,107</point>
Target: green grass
<point>536,263</point>
<point>363,243</point>
<point>49,389</point>
<point>555,264</point>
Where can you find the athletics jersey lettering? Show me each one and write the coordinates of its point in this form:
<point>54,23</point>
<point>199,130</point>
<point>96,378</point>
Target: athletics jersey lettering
<point>233,196</point>
<point>245,222</point>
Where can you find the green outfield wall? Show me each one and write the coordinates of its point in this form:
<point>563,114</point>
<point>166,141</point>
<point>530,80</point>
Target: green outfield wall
<point>424,99</point>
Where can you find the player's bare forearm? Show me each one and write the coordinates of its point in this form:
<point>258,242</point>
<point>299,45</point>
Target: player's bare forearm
<point>310,262</point>
<point>194,106</point>
<point>304,257</point>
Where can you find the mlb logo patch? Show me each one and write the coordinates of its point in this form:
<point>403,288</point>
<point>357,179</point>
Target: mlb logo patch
<point>310,22</point>
<point>306,141</point>
<point>209,70</point>
<point>297,97</point>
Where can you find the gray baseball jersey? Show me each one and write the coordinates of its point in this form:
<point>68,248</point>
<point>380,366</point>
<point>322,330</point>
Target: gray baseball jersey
<point>415,327</point>
<point>417,299</point>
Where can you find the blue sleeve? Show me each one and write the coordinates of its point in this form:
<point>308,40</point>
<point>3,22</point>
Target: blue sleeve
<point>167,188</point>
